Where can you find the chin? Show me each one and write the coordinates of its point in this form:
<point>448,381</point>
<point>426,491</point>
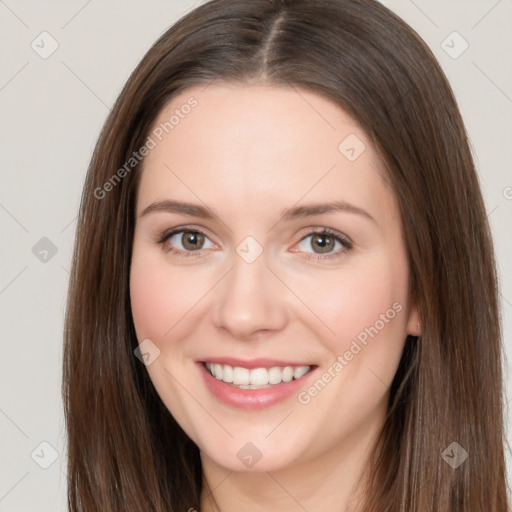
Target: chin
<point>250,459</point>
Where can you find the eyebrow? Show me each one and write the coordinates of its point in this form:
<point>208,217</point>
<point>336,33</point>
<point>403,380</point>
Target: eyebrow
<point>309,210</point>
<point>184,208</point>
<point>294,212</point>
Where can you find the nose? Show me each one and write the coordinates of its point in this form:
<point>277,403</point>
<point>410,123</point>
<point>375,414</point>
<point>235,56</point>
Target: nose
<point>250,301</point>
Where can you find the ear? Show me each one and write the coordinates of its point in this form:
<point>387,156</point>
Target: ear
<point>414,327</point>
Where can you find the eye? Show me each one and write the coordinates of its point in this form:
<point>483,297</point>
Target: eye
<point>324,244</point>
<point>182,241</point>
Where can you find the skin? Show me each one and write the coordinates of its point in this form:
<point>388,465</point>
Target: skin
<point>248,153</point>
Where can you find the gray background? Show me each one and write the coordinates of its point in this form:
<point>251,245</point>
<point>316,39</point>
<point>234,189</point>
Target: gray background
<point>51,112</point>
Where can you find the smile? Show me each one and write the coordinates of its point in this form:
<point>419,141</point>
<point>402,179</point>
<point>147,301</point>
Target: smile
<point>262,385</point>
<point>255,378</point>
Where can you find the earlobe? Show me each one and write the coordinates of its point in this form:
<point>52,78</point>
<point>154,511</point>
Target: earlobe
<point>414,327</point>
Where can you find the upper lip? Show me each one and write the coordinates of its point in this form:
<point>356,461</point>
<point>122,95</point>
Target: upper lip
<point>253,363</point>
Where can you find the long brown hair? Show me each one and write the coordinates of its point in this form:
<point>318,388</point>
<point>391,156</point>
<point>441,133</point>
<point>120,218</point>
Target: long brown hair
<point>125,450</point>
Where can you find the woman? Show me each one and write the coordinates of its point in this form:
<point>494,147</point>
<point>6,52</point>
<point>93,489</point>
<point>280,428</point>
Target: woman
<point>284,291</point>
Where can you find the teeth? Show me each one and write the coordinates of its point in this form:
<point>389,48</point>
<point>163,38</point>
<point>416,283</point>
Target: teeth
<point>274,375</point>
<point>227,373</point>
<point>300,371</point>
<point>287,374</point>
<point>240,376</point>
<point>217,370</point>
<point>256,378</point>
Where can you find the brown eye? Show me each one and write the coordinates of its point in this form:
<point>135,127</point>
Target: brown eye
<point>324,243</point>
<point>192,240</point>
<point>185,241</point>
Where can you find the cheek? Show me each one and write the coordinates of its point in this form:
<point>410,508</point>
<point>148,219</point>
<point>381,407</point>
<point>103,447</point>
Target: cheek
<point>162,298</point>
<point>356,299</point>
<point>373,325</point>
<point>150,300</point>
<point>366,308</point>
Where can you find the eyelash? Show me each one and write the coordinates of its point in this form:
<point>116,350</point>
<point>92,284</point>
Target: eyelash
<point>338,237</point>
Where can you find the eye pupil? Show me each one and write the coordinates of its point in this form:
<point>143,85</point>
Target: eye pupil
<point>324,242</point>
<point>192,240</point>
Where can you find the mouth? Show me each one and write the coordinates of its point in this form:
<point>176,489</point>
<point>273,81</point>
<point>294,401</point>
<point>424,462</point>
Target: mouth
<point>255,378</point>
<point>257,384</point>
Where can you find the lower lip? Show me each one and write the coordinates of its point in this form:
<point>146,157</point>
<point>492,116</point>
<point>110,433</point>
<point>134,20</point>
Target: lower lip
<point>252,399</point>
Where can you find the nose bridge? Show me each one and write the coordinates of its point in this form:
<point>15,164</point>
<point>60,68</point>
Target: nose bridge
<point>248,299</point>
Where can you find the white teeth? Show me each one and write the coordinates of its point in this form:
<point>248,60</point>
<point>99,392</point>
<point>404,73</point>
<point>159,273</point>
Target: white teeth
<point>217,369</point>
<point>274,375</point>
<point>240,376</point>
<point>300,371</point>
<point>287,374</point>
<point>256,378</point>
<point>227,374</point>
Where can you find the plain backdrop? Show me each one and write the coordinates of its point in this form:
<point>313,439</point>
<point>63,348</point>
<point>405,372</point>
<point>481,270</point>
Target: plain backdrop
<point>52,107</point>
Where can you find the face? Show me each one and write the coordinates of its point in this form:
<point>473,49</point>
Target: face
<point>268,251</point>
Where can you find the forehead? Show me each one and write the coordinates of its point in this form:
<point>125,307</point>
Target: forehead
<point>261,146</point>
